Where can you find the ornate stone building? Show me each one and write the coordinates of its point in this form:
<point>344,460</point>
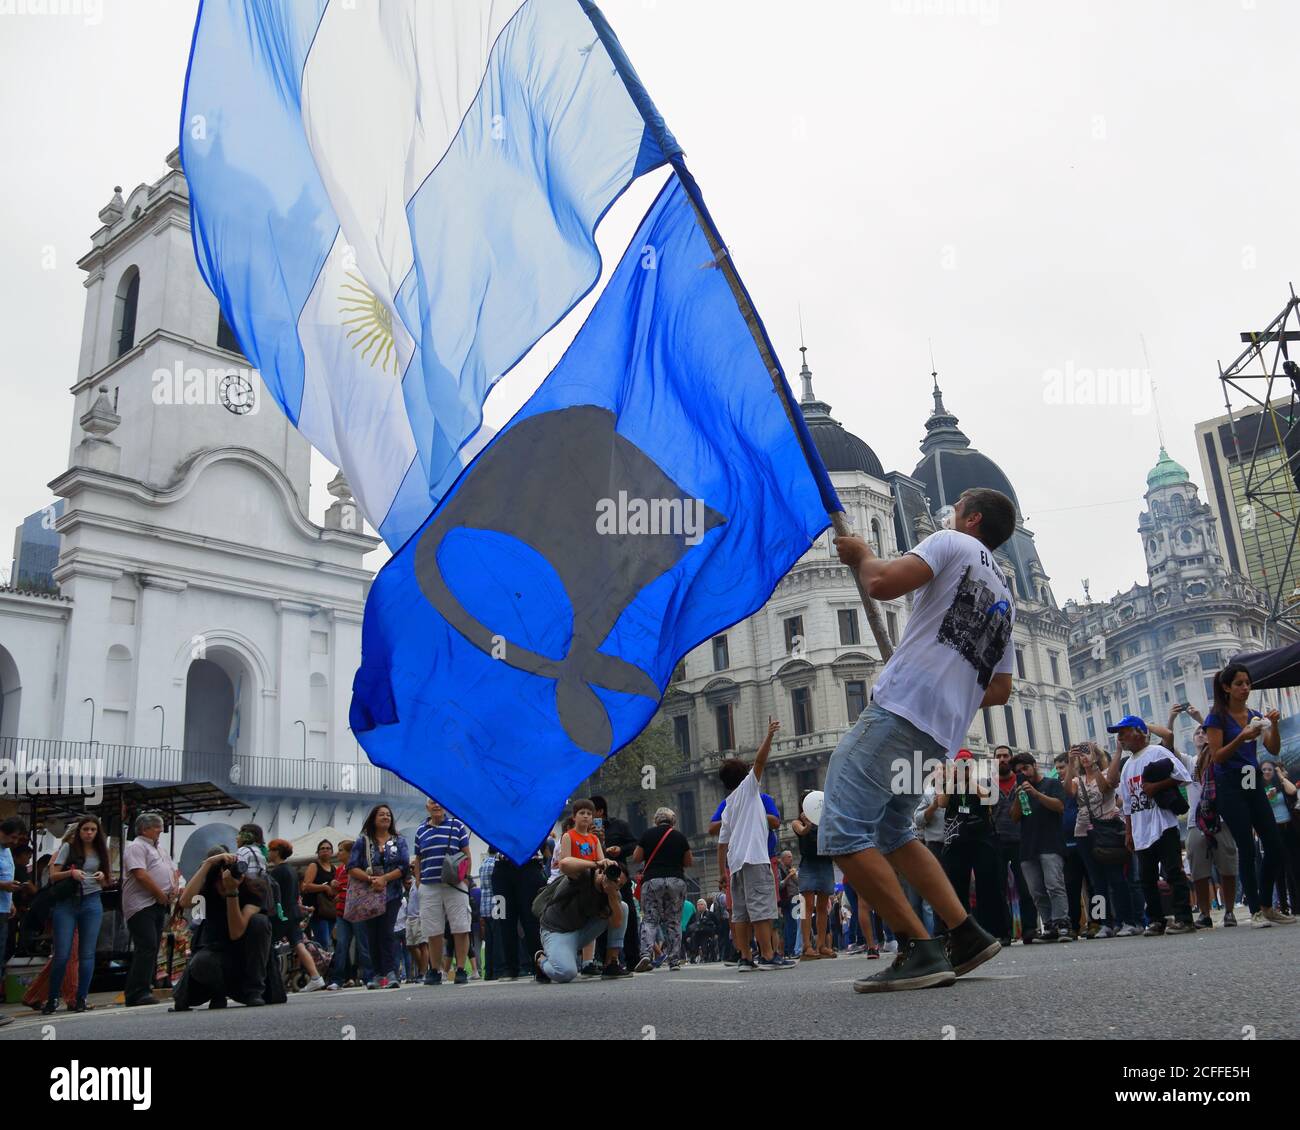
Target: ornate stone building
<point>1160,643</point>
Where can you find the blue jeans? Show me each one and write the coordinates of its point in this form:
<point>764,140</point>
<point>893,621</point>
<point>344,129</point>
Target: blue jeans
<point>561,961</point>
<point>321,929</point>
<point>790,928</point>
<point>862,808</point>
<point>1107,880</point>
<point>345,933</point>
<point>82,914</point>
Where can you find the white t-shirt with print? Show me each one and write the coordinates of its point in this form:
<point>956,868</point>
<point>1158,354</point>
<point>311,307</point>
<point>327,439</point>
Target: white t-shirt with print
<point>957,638</point>
<point>744,826</point>
<point>1149,820</point>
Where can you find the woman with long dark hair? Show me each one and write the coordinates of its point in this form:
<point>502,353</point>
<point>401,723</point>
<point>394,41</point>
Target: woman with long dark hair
<point>83,862</point>
<point>381,858</point>
<point>1232,732</point>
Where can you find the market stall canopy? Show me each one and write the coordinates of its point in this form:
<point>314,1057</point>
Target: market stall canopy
<point>1272,670</point>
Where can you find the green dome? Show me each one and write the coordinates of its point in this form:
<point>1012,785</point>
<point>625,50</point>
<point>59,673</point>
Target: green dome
<point>1166,472</point>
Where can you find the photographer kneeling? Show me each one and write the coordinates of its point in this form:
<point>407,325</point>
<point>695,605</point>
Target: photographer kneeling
<point>234,944</point>
<point>576,909</point>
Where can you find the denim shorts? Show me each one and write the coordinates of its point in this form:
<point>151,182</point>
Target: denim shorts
<point>864,806</point>
<point>816,876</point>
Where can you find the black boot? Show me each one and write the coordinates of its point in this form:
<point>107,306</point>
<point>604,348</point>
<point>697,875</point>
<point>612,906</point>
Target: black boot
<point>921,964</point>
<point>970,945</point>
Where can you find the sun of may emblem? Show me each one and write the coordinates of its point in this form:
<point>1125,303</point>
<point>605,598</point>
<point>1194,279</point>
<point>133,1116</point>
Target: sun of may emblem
<point>370,325</point>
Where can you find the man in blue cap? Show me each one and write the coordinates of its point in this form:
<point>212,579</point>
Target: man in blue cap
<point>1152,827</point>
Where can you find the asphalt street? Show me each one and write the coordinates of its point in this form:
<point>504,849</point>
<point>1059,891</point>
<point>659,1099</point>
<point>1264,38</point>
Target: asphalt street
<point>1217,985</point>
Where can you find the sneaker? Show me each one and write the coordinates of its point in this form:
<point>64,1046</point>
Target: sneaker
<point>393,983</point>
<point>1205,922</point>
<point>51,1007</point>
<point>151,999</point>
<point>1229,919</point>
<point>921,964</point>
<point>317,982</point>
<point>873,953</point>
<point>676,966</point>
<point>461,978</point>
<point>1259,920</point>
<point>743,966</point>
<point>1028,939</point>
<point>613,972</point>
<point>333,987</point>
<point>968,946</point>
<point>890,946</point>
<point>1177,927</point>
<point>433,977</point>
<point>1046,934</point>
<point>1155,930</point>
<point>1104,932</point>
<point>1129,931</point>
<point>645,965</point>
<point>1063,934</point>
<point>1278,917</point>
<point>591,969</point>
<point>372,984</point>
<point>772,964</point>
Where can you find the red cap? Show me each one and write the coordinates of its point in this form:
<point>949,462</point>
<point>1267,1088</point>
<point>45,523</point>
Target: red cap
<point>964,753</point>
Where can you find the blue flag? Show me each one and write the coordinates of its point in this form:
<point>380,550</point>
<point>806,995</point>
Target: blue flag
<point>651,493</point>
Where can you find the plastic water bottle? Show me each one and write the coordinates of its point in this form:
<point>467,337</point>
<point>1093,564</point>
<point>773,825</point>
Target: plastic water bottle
<point>1025,809</point>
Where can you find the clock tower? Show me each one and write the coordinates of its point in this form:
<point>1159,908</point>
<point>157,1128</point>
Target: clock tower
<point>208,612</point>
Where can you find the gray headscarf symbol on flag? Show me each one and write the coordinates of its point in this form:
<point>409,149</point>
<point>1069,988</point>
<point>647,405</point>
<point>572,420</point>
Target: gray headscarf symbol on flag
<point>541,483</point>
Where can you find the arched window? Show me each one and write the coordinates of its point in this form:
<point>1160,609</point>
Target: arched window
<point>877,546</point>
<point>128,297</point>
<point>1178,504</point>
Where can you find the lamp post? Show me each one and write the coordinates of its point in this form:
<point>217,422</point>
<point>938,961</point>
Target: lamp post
<point>300,722</point>
<point>162,728</point>
<point>92,718</point>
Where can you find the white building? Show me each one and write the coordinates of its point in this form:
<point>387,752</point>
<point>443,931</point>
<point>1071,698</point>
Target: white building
<point>1160,643</point>
<point>205,628</point>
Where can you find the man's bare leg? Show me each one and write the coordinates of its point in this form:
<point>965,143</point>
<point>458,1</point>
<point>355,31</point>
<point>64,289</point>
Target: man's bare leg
<point>763,932</point>
<point>874,879</point>
<point>742,937</point>
<point>926,874</point>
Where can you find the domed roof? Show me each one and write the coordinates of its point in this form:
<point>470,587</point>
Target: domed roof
<point>839,448</point>
<point>949,464</point>
<point>1166,472</point>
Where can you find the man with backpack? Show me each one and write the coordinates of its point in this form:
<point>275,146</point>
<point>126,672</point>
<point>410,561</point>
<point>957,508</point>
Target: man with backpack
<point>444,905</point>
<point>1151,773</point>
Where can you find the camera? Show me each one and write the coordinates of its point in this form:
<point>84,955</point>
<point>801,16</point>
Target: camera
<point>238,869</point>
<point>613,872</point>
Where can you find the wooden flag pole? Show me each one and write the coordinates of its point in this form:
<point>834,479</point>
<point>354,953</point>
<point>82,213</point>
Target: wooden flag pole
<point>722,261</point>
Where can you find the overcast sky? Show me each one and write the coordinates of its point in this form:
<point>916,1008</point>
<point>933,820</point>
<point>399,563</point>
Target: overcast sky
<point>1032,186</point>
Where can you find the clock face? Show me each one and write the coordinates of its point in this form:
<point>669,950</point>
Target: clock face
<point>237,394</point>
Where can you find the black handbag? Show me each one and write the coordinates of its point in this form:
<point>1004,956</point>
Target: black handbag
<point>1108,839</point>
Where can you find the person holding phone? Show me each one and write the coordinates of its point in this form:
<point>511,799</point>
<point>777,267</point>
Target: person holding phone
<point>1232,731</point>
<point>83,859</point>
<point>1087,783</point>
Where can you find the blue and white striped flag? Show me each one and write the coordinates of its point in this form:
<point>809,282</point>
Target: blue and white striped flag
<point>394,200</point>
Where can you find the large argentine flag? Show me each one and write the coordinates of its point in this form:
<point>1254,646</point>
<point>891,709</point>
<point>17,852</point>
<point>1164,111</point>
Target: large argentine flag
<point>651,493</point>
<point>394,199</point>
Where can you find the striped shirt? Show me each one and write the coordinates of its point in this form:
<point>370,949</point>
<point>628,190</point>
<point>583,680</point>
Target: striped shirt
<point>433,842</point>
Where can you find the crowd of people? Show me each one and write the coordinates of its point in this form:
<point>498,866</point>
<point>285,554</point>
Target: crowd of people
<point>941,873</point>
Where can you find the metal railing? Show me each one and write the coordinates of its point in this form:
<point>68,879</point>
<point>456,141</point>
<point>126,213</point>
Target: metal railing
<point>235,773</point>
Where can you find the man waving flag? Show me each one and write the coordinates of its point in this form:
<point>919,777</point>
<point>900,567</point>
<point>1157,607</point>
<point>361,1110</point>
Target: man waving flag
<point>394,200</point>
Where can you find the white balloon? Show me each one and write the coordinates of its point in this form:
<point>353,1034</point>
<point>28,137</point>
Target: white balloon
<point>812,806</point>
